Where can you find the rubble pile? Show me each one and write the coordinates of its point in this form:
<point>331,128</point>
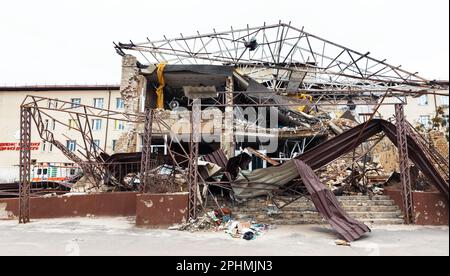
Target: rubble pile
<point>221,220</point>
<point>360,179</point>
<point>164,179</point>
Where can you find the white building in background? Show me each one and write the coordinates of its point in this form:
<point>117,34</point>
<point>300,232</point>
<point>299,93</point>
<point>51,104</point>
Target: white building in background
<point>420,110</point>
<point>105,132</point>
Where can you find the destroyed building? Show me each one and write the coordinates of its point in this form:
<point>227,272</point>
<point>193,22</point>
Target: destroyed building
<point>265,112</point>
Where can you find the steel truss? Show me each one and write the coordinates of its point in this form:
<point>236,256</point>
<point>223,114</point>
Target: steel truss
<point>283,57</point>
<point>90,156</point>
<point>38,108</point>
<point>25,164</point>
<point>405,176</point>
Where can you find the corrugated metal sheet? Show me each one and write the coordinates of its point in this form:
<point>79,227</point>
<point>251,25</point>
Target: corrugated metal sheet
<point>330,150</point>
<point>260,182</point>
<point>218,157</point>
<point>328,206</point>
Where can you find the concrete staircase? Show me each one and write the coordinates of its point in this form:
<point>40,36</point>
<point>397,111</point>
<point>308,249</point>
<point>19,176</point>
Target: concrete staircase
<point>379,210</point>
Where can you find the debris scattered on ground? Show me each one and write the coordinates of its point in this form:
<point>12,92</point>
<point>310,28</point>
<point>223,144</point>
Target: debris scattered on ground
<point>221,220</point>
<point>342,243</point>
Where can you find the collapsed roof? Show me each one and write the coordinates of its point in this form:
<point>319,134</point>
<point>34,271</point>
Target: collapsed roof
<point>284,58</point>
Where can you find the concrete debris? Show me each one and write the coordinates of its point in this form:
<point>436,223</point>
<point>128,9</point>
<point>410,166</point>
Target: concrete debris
<point>440,142</point>
<point>221,220</point>
<point>342,243</point>
<point>86,185</point>
<point>360,178</point>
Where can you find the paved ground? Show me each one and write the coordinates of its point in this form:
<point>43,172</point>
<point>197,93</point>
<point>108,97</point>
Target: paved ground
<point>118,236</point>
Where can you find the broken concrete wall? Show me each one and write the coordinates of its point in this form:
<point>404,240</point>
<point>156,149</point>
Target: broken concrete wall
<point>131,87</point>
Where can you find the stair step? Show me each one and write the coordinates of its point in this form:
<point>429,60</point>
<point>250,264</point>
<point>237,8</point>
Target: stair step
<point>296,221</point>
<point>312,208</point>
<point>383,221</point>
<point>375,208</point>
<point>314,215</point>
<point>378,197</point>
<point>376,200</point>
<point>375,215</point>
<point>303,204</point>
<point>348,203</point>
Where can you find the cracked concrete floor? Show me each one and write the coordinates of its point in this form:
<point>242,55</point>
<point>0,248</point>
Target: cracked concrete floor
<point>119,236</point>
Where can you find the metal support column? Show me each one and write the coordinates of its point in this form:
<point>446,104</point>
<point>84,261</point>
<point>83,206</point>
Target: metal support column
<point>25,165</point>
<point>146,151</point>
<point>193,157</point>
<point>402,145</point>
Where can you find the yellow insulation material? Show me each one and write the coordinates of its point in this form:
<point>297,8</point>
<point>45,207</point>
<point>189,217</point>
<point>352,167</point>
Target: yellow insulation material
<point>162,84</point>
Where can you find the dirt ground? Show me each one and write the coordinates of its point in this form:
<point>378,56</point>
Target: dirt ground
<point>119,236</point>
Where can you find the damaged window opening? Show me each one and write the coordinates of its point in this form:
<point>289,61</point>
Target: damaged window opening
<point>423,100</point>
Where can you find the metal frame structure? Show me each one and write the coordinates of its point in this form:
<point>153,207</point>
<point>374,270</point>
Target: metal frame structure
<point>25,164</point>
<point>268,99</point>
<point>36,109</point>
<point>405,176</point>
<point>281,53</point>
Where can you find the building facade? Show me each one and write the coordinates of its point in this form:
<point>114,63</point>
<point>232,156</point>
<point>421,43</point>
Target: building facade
<point>420,111</point>
<point>105,132</point>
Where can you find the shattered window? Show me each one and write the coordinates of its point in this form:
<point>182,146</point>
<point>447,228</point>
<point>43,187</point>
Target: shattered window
<point>425,120</point>
<point>445,118</point>
<point>423,100</point>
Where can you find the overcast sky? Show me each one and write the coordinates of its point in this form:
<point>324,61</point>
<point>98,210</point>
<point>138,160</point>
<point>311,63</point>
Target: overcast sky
<point>70,42</point>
